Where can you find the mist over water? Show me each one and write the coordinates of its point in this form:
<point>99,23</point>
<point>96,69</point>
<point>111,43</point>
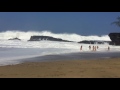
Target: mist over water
<point>12,51</point>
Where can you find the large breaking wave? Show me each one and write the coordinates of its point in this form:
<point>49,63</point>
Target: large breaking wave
<point>65,36</point>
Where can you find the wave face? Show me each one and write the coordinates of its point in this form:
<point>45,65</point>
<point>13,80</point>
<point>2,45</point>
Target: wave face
<point>65,36</point>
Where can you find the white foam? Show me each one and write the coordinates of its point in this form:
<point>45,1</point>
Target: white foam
<point>12,51</point>
<point>66,36</point>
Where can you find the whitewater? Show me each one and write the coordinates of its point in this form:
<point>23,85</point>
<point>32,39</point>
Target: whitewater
<point>13,51</point>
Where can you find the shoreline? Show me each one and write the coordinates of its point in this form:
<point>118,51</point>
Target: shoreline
<point>73,56</point>
<point>95,68</point>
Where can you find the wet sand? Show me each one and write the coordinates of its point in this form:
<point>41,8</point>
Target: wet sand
<point>97,68</point>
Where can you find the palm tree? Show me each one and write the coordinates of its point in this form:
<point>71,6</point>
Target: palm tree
<point>117,22</point>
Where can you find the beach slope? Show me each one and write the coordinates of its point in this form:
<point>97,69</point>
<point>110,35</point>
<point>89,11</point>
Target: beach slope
<point>99,68</point>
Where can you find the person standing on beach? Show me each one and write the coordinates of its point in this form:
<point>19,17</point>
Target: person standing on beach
<point>108,48</point>
<point>97,47</point>
<point>89,47</point>
<point>93,48</point>
<point>81,47</point>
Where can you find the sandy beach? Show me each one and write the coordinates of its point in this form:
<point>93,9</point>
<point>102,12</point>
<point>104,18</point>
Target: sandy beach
<point>99,68</point>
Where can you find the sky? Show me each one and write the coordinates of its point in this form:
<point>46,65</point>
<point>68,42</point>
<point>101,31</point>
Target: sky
<point>83,23</point>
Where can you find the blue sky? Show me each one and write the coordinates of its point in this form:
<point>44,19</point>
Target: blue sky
<point>83,23</point>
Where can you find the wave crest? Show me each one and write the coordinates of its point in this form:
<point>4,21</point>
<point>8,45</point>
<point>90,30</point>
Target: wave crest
<point>25,35</point>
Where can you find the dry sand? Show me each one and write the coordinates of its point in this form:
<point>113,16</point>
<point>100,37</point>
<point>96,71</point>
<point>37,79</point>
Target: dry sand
<point>99,68</point>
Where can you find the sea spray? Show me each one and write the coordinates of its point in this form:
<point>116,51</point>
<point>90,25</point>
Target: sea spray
<point>65,36</point>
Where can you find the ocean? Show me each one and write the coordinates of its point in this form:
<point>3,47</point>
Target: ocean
<point>15,51</point>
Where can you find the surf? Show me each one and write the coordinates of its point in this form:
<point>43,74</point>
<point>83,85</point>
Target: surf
<point>25,35</point>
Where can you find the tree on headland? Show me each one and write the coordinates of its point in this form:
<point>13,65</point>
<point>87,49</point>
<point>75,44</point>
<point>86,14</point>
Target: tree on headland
<point>117,22</point>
